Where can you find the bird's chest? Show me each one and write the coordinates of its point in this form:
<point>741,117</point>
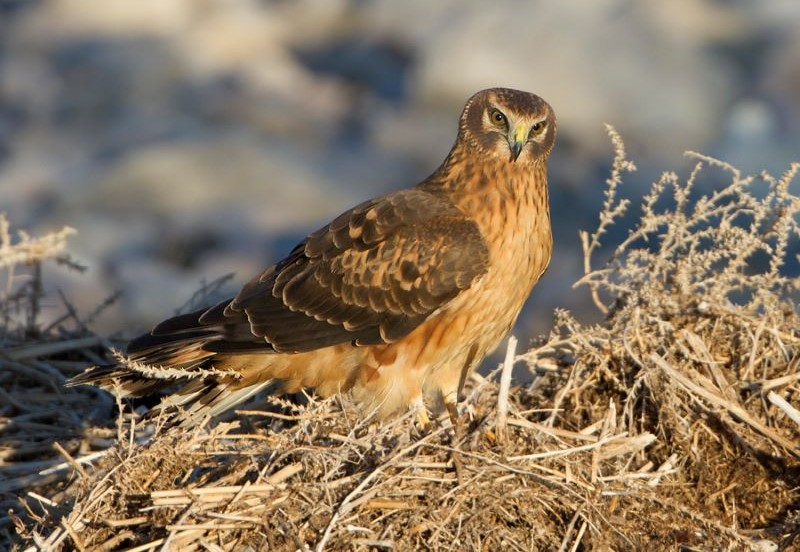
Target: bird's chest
<point>516,226</point>
<point>517,230</point>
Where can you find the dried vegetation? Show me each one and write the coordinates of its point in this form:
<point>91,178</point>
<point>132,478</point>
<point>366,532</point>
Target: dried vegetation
<point>673,424</point>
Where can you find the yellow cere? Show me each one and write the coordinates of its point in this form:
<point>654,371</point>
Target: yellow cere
<point>520,134</point>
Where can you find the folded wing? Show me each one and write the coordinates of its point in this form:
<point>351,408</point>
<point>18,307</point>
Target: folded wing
<point>371,276</point>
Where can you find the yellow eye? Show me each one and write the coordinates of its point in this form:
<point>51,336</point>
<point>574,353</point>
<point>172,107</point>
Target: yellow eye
<point>538,128</point>
<point>498,119</point>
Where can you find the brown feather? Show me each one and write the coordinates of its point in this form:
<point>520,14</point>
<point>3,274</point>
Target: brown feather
<point>395,299</point>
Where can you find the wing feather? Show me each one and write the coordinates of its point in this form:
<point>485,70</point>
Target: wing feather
<point>369,277</point>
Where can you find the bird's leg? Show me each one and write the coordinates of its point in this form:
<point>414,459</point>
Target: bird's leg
<point>451,403</point>
<point>452,411</point>
<point>423,421</point>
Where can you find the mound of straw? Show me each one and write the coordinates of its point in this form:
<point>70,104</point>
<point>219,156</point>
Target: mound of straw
<point>673,423</point>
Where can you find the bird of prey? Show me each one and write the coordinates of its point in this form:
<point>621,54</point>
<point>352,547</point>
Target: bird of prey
<point>395,301</point>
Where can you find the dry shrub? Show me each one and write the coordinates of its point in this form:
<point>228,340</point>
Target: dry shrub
<point>41,423</point>
<point>699,345</point>
<point>669,424</point>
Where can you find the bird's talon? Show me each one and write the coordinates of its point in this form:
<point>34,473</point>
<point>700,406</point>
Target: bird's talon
<point>422,421</point>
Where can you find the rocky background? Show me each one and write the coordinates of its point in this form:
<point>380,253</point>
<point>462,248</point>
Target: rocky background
<point>186,139</point>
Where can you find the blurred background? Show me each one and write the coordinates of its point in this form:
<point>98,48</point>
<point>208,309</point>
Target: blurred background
<point>186,139</point>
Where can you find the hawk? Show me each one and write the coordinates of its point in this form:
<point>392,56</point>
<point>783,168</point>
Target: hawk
<point>396,301</point>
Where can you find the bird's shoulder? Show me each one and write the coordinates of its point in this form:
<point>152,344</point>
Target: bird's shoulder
<point>416,214</point>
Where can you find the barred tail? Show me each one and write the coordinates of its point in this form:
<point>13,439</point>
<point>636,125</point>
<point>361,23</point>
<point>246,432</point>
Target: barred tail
<point>180,353</point>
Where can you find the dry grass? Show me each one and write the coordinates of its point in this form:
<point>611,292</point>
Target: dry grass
<point>673,423</point>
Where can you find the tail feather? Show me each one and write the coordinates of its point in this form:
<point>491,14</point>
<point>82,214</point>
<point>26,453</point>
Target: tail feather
<point>181,353</point>
<point>130,377</point>
<point>118,379</point>
<point>201,393</point>
<point>207,397</point>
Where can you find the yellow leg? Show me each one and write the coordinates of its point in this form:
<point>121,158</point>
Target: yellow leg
<point>422,418</point>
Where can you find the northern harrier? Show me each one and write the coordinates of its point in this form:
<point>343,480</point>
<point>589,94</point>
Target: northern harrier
<point>396,301</point>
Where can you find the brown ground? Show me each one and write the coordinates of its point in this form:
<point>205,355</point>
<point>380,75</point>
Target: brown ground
<point>671,425</point>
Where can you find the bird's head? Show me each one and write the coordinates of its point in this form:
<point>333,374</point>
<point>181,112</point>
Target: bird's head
<point>510,125</point>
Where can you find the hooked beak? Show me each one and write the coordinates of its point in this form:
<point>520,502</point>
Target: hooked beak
<point>517,141</point>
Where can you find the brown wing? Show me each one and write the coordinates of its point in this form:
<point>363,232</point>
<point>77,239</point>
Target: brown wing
<point>371,276</point>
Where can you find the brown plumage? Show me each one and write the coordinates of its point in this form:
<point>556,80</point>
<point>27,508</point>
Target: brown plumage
<point>395,301</point>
